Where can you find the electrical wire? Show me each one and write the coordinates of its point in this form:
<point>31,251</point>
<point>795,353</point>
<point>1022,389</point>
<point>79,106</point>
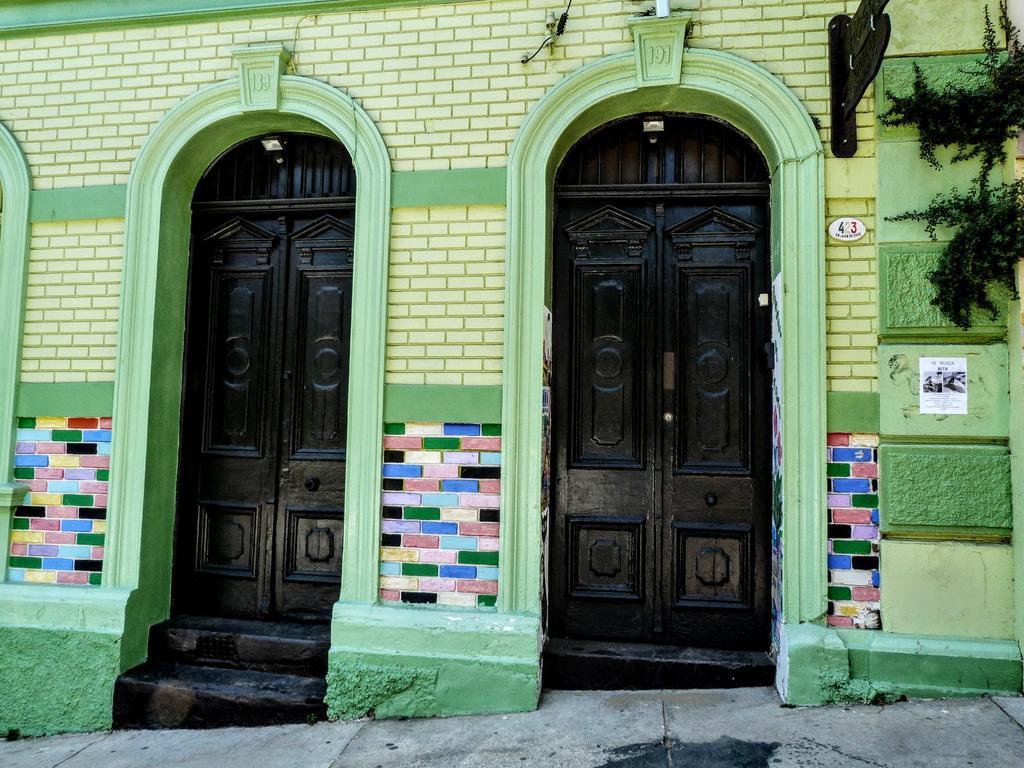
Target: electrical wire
<point>549,40</point>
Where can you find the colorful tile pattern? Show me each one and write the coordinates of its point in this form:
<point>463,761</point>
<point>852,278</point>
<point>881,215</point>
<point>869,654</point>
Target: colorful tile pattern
<point>57,536</point>
<point>441,494</point>
<point>853,579</point>
<point>777,615</point>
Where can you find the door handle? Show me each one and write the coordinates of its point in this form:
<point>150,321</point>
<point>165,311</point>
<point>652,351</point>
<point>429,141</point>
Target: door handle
<point>312,483</point>
<point>668,417</point>
<point>711,499</point>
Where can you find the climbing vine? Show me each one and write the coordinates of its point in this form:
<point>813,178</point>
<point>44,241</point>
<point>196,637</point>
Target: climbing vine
<point>976,119</point>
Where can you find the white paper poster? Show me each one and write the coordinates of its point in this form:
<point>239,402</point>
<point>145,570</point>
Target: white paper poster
<point>943,385</point>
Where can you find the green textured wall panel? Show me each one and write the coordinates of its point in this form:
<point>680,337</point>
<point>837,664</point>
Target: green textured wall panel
<point>937,26</point>
<point>852,411</point>
<point>66,399</point>
<point>948,487</point>
<point>947,588</point>
<point>96,202</point>
<point>987,392</point>
<point>906,295</point>
<point>462,186</point>
<point>442,402</point>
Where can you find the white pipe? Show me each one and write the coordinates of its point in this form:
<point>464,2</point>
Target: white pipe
<point>661,8</point>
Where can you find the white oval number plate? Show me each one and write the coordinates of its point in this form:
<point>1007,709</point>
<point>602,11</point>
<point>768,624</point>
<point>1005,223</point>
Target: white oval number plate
<point>846,230</point>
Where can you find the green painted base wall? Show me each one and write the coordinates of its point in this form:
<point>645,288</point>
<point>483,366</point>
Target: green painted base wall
<point>413,662</point>
<point>56,680</point>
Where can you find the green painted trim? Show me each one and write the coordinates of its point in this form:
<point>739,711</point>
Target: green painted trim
<point>397,660</point>
<point>36,17</point>
<point>66,399</point>
<point>738,91</point>
<point>97,202</point>
<point>442,402</point>
<point>15,183</point>
<point>853,412</point>
<point>1015,334</point>
<point>10,497</point>
<point>463,186</point>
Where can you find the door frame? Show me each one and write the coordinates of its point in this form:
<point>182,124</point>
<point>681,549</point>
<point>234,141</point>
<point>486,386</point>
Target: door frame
<point>147,392</point>
<point>716,84</point>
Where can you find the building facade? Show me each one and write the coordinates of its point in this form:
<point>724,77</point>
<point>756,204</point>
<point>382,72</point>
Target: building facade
<point>337,310</point>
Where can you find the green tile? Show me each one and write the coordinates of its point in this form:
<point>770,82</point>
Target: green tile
<point>103,475</point>
<point>839,470</point>
<point>95,579</point>
<point>851,547</point>
<point>491,430</point>
<point>78,500</point>
<point>422,513</point>
<point>91,539</point>
<point>839,593</point>
<point>419,569</point>
<point>26,422</point>
<point>67,436</point>
<point>21,523</point>
<point>865,500</point>
<point>486,601</point>
<point>478,558</point>
<point>24,473</point>
<point>441,444</point>
<point>26,562</point>
<point>394,429</point>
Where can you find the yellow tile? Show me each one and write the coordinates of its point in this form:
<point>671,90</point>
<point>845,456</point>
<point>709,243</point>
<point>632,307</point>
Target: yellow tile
<point>99,526</point>
<point>398,555</point>
<point>48,422</point>
<point>407,583</point>
<point>41,577</point>
<point>456,598</point>
<point>28,537</point>
<point>46,499</point>
<point>464,515</point>
<point>66,461</point>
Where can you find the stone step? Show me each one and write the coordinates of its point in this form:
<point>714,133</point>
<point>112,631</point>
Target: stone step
<point>599,665</point>
<point>168,695</point>
<point>264,646</point>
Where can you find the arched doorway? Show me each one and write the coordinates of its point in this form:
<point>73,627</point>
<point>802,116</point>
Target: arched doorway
<point>263,443</point>
<point>661,464</point>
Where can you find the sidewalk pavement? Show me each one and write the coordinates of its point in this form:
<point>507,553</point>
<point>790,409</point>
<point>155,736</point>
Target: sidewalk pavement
<point>736,728</point>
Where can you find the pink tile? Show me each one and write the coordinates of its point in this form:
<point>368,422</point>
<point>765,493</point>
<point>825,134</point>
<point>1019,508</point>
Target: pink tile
<point>479,500</point>
<point>838,438</point>
<point>419,540</point>
<point>865,469</point>
<point>438,555</point>
<point>106,423</point>
<point>92,486</point>
<point>44,524</point>
<point>481,443</point>
<point>839,500</point>
<point>98,462</point>
<point>400,499</point>
<point>97,553</point>
<point>868,594</point>
<point>58,537</point>
<point>478,529</point>
<point>37,486</point>
<point>51,448</point>
<point>851,516</point>
<point>461,457</point>
<point>422,484</point>
<point>22,549</point>
<point>396,443</point>
<point>72,577</point>
<point>486,544</point>
<point>390,595</point>
<point>50,473</point>
<point>437,585</point>
<point>446,471</point>
<point>478,587</point>
<point>62,512</point>
<point>840,621</point>
<point>490,486</point>
<point>99,500</point>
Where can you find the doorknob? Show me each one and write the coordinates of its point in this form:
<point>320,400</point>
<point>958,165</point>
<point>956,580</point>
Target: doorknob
<point>668,417</point>
<point>312,483</point>
<point>711,499</point>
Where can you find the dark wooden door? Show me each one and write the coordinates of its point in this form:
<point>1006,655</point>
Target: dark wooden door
<point>661,493</point>
<point>261,487</point>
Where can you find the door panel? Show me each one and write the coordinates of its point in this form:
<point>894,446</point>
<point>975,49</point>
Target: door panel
<point>661,420</point>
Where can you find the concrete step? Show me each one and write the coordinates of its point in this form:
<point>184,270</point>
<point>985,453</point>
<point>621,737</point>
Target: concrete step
<point>168,695</point>
<point>599,665</point>
<point>264,646</point>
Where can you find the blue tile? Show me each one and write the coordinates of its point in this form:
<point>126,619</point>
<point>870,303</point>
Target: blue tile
<point>465,430</point>
<point>876,580</point>
<point>458,572</point>
<point>103,449</point>
<point>62,486</point>
<point>458,542</point>
<point>76,526</point>
<point>58,564</point>
<point>490,458</point>
<point>33,435</point>
<point>390,569</point>
<point>853,455</point>
<point>31,461</point>
<point>487,573</point>
<point>403,470</point>
<point>15,574</point>
<point>96,436</point>
<point>851,485</point>
<point>460,486</point>
<point>874,516</point>
<point>429,527</point>
<point>76,551</point>
<point>840,562</point>
<point>439,500</point>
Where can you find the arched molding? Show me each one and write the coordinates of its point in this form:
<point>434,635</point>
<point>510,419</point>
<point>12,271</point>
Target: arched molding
<point>148,381</point>
<point>15,185</point>
<point>733,89</point>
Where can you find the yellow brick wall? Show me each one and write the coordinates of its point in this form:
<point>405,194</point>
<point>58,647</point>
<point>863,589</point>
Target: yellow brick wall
<point>445,86</point>
<point>72,301</point>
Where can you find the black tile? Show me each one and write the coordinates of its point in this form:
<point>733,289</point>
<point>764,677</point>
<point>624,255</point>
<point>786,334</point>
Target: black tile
<point>394,457</point>
<point>865,563</point>
<point>393,513</point>
<point>839,532</point>
<point>481,473</point>
<point>82,449</point>
<point>391,539</point>
<point>490,516</point>
<point>30,512</point>
<point>92,513</point>
<point>89,565</point>
<point>419,597</point>
<point>392,483</point>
